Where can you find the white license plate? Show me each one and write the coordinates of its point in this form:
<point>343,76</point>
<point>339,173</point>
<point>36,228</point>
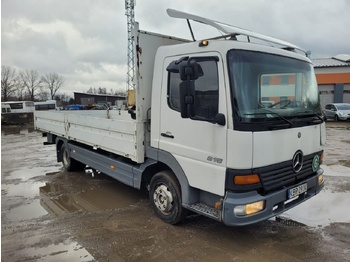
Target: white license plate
<point>296,191</point>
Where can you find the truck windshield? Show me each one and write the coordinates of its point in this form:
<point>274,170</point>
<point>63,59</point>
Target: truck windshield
<point>272,92</point>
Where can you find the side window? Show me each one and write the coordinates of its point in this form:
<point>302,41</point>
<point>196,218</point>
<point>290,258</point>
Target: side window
<point>174,91</point>
<point>206,90</point>
<point>328,107</point>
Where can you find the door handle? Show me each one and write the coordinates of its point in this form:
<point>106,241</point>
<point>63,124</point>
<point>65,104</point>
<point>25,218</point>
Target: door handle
<point>167,134</point>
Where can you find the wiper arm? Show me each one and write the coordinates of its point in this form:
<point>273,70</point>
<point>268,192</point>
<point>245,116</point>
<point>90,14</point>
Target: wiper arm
<point>314,114</point>
<point>273,113</point>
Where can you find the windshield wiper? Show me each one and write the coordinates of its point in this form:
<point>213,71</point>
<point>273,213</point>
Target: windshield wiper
<point>314,114</point>
<point>272,113</point>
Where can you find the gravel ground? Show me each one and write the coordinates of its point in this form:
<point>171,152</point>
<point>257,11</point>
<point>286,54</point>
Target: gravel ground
<point>51,215</point>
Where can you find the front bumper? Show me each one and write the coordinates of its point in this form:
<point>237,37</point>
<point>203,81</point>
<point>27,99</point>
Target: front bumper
<point>275,203</point>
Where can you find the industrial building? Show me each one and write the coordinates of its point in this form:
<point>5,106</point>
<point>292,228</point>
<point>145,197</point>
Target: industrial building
<point>333,78</point>
<point>88,99</point>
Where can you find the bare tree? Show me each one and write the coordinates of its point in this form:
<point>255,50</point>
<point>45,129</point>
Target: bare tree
<point>62,99</point>
<point>31,81</point>
<point>120,92</point>
<point>20,92</point>
<point>102,90</point>
<point>42,94</point>
<point>91,90</point>
<point>9,82</point>
<point>53,82</point>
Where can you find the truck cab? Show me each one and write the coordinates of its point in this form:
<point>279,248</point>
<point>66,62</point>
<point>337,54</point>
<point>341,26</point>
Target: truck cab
<point>250,158</point>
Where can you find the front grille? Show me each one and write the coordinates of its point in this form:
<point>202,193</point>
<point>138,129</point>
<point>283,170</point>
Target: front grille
<point>279,175</point>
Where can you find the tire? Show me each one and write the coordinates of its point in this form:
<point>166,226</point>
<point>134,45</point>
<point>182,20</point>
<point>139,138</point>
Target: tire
<point>165,198</point>
<point>69,164</point>
<point>336,118</point>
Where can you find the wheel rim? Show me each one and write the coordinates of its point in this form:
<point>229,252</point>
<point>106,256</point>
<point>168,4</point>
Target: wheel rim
<point>163,199</point>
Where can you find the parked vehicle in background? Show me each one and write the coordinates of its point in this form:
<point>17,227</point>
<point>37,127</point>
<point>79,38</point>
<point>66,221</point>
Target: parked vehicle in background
<point>46,105</point>
<point>74,107</point>
<point>5,108</point>
<point>21,106</point>
<point>337,111</point>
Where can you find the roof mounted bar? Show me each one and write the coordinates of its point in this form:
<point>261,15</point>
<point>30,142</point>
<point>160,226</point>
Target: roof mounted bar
<point>230,30</point>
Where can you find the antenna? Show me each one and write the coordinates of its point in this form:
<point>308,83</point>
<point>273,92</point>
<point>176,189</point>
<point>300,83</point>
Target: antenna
<point>130,14</point>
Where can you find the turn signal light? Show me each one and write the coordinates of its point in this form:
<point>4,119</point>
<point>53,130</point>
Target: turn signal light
<point>320,179</point>
<point>247,179</point>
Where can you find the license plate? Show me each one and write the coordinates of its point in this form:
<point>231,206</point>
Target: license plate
<point>296,191</point>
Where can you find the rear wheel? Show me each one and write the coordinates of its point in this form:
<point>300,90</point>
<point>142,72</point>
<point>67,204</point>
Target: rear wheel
<point>165,197</point>
<point>69,164</point>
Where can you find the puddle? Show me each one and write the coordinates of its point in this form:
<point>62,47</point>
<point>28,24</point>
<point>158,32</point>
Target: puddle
<point>66,251</point>
<point>28,173</point>
<point>18,190</point>
<point>109,196</point>
<point>330,205</point>
<point>26,211</point>
<point>322,210</point>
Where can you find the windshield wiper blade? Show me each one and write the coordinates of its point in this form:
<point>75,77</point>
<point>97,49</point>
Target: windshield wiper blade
<point>314,114</point>
<point>273,113</point>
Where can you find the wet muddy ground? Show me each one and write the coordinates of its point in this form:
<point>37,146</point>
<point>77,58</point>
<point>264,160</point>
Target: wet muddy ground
<point>51,215</point>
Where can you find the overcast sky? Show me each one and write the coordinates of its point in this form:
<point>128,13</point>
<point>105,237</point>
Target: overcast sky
<point>85,40</point>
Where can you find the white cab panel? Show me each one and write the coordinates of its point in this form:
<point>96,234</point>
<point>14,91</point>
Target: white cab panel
<point>280,145</point>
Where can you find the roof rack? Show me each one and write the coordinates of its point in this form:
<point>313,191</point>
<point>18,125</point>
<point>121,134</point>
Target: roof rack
<point>231,31</point>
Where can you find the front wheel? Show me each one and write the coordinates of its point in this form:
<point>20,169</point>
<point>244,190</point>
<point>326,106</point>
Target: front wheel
<point>165,197</point>
<point>69,164</point>
<point>336,118</point>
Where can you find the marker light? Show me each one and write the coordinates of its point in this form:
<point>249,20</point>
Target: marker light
<point>320,179</point>
<point>204,43</point>
<point>249,209</point>
<point>247,179</point>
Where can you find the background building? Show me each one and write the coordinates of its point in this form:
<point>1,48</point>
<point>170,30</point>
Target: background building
<point>88,99</point>
<point>333,78</point>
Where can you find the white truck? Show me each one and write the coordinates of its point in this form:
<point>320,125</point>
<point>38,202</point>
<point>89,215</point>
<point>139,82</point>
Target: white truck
<point>225,128</point>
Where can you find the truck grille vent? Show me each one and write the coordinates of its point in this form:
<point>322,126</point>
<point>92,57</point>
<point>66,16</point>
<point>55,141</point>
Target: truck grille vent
<point>282,174</point>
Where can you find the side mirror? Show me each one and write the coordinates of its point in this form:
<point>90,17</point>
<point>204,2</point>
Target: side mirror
<point>220,119</point>
<point>190,70</point>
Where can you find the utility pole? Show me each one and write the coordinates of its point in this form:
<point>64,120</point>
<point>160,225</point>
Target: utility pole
<point>129,12</point>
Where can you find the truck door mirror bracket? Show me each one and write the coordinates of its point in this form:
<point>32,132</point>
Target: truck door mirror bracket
<point>187,99</point>
<point>220,119</point>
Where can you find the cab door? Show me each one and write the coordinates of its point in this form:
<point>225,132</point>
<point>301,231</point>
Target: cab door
<point>198,144</point>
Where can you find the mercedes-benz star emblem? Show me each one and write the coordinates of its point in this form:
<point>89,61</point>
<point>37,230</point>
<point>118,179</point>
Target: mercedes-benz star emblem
<point>298,161</point>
